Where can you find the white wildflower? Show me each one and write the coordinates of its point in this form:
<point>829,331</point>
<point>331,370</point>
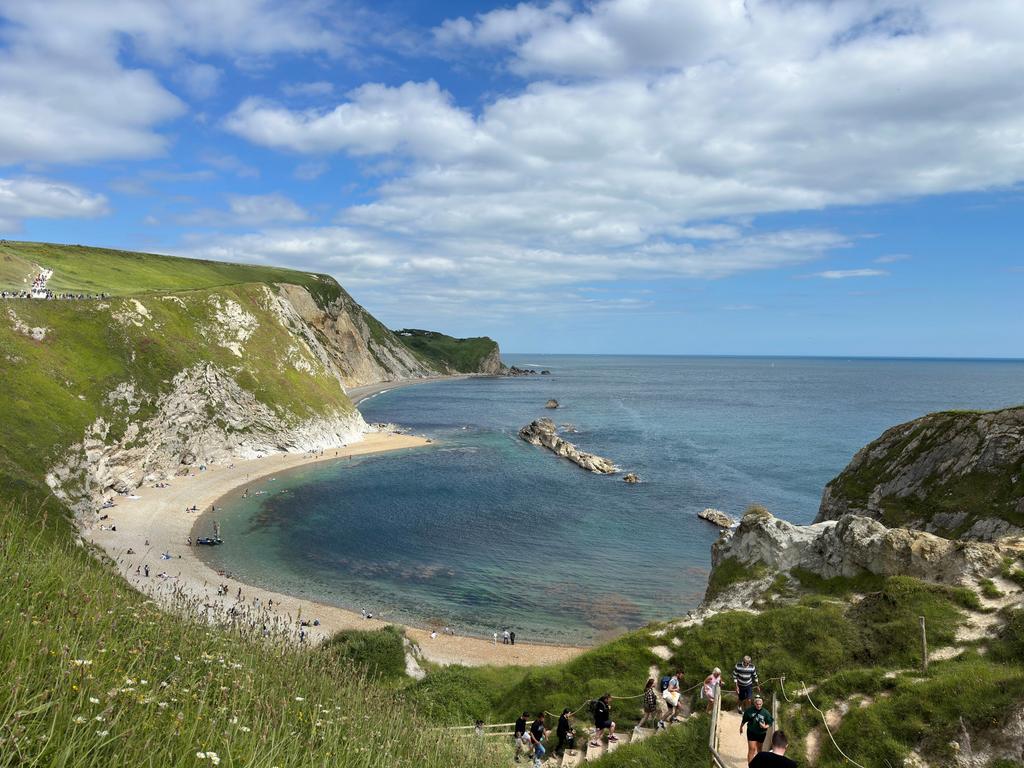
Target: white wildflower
<point>93,700</point>
<point>82,662</point>
<point>79,720</point>
<point>299,698</point>
<point>101,734</point>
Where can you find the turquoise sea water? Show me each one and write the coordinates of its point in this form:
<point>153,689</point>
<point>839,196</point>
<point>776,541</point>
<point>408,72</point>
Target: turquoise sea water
<point>481,531</point>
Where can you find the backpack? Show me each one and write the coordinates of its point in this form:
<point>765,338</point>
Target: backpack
<point>664,682</point>
<point>592,706</point>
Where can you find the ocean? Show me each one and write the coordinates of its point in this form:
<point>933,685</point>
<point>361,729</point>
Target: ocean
<point>481,531</point>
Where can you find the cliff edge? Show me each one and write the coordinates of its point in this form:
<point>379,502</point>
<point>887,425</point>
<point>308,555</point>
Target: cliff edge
<point>957,474</point>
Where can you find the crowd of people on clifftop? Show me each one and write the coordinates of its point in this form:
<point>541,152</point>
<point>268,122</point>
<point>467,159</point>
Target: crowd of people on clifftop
<point>661,708</point>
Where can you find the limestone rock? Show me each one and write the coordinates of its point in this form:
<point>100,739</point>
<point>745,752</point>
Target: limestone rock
<point>552,403</point>
<point>959,474</point>
<point>542,432</point>
<point>716,517</point>
<point>632,478</point>
<point>854,545</point>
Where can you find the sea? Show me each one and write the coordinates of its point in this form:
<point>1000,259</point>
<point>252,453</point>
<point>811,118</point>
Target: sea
<point>481,532</point>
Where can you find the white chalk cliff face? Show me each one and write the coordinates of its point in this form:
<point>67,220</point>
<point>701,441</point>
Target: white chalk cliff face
<point>262,369</point>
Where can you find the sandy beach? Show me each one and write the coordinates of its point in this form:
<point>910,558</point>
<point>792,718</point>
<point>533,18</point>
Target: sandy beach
<point>358,394</point>
<point>155,521</point>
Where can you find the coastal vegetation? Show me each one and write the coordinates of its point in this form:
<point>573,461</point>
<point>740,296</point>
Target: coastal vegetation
<point>447,353</point>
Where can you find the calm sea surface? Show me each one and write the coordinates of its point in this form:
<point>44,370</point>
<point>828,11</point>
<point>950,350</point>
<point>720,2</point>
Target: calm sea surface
<point>481,531</point>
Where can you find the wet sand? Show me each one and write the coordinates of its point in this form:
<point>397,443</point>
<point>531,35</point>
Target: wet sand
<point>158,516</point>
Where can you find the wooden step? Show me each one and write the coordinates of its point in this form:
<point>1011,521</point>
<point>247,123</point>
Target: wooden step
<point>623,739</point>
<point>639,734</point>
<point>572,758</point>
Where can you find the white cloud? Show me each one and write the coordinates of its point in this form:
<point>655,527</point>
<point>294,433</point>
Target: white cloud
<point>250,210</point>
<point>310,171</point>
<point>503,26</point>
<point>844,274</point>
<point>892,258</point>
<point>33,198</point>
<point>66,95</point>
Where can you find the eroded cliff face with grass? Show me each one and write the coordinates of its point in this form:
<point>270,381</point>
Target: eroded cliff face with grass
<point>181,363</point>
<point>957,474</point>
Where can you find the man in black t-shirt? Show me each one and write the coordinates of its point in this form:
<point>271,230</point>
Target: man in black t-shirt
<point>777,757</point>
<point>518,732</point>
<point>537,733</point>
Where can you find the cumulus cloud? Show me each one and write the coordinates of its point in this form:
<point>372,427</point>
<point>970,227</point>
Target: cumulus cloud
<point>649,127</point>
<point>70,98</point>
<point>250,210</point>
<point>33,198</point>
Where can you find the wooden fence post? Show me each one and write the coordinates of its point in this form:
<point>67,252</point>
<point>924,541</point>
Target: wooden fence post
<point>924,647</point>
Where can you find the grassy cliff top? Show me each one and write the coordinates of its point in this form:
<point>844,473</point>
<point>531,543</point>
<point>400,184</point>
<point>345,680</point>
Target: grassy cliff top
<point>447,352</point>
<point>79,268</point>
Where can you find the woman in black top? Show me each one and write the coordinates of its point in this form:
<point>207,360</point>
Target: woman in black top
<point>566,735</point>
<point>603,720</point>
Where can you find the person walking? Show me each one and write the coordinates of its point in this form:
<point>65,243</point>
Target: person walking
<point>757,719</point>
<point>776,757</point>
<point>650,704</point>
<point>504,637</point>
<point>495,639</point>
<point>712,684</point>
<point>603,724</point>
<point>744,676</point>
<point>512,637</point>
<point>518,734</point>
<point>537,734</point>
<point>672,695</point>
<point>565,732</point>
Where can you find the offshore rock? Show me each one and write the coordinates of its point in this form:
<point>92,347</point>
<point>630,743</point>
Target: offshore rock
<point>542,432</point>
<point>958,474</point>
<point>716,517</point>
<point>632,478</point>
<point>552,403</point>
<point>854,545</point>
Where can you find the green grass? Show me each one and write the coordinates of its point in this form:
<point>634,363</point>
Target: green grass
<point>97,676</point>
<point>55,388</point>
<point>730,572</point>
<point>122,273</point>
<point>379,654</point>
<point>447,353</point>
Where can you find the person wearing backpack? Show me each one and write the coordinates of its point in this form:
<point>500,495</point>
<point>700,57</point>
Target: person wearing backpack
<point>566,734</point>
<point>603,725</point>
<point>518,735</point>
<point>538,731</point>
<point>672,695</point>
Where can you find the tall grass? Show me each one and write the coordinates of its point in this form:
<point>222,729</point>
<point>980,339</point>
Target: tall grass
<point>96,675</point>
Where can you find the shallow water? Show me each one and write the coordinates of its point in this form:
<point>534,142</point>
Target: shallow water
<point>481,531</point>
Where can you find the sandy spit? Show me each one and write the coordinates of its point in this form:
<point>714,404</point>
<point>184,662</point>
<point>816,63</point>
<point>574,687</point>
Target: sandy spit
<point>158,516</point>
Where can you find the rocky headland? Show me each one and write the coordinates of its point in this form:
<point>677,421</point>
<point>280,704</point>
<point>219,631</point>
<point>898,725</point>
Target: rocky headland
<point>716,517</point>
<point>542,432</point>
<point>958,474</point>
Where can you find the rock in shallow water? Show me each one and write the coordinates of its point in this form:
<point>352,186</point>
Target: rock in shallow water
<point>716,517</point>
<point>542,432</point>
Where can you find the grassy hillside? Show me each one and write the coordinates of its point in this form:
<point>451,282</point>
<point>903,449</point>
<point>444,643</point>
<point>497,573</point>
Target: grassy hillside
<point>79,268</point>
<point>448,353</point>
<point>97,676</point>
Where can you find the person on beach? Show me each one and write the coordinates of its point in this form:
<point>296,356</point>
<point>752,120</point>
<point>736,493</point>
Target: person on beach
<point>757,719</point>
<point>650,704</point>
<point>744,675</point>
<point>566,734</point>
<point>537,733</point>
<point>672,695</point>
<point>518,732</point>
<point>504,637</point>
<point>145,568</point>
<point>495,639</point>
<point>776,758</point>
<point>512,637</point>
<point>712,683</point>
<point>603,724</point>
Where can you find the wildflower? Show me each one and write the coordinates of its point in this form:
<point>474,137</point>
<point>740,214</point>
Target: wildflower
<point>101,734</point>
<point>79,720</point>
<point>93,700</point>
<point>99,718</point>
<point>211,756</point>
<point>82,662</point>
<point>244,728</point>
<point>299,698</point>
<point>162,704</point>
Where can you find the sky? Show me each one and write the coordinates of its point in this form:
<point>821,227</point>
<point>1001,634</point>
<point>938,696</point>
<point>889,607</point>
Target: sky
<point>615,176</point>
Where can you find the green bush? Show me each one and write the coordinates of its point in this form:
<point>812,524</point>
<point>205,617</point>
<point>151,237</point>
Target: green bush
<point>380,653</point>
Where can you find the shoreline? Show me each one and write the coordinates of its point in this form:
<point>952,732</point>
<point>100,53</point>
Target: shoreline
<point>365,392</point>
<point>157,517</point>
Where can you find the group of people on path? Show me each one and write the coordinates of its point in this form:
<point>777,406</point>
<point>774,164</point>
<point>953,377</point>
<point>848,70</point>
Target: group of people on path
<point>530,738</point>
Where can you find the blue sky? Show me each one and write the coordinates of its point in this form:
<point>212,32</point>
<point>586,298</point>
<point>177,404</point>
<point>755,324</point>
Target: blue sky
<point>647,176</point>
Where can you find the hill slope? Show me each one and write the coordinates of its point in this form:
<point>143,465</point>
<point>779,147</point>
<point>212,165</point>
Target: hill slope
<point>953,473</point>
<point>184,362</point>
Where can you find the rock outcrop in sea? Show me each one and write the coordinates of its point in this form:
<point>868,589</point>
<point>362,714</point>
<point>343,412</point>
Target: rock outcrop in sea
<point>632,478</point>
<point>854,545</point>
<point>542,432</point>
<point>552,403</point>
<point>957,474</point>
<point>716,517</point>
